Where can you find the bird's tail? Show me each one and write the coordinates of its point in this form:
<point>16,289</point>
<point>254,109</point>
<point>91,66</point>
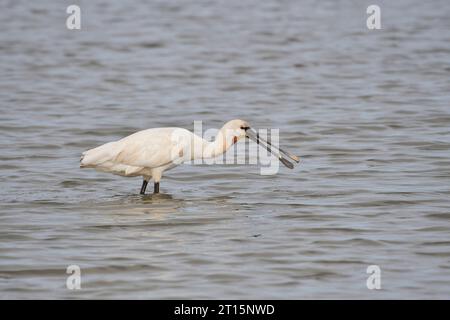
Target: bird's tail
<point>95,157</point>
<point>82,165</point>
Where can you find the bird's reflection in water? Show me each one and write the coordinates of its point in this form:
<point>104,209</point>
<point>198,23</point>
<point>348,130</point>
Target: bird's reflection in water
<point>150,208</point>
<point>155,206</point>
<point>155,198</point>
<point>152,198</point>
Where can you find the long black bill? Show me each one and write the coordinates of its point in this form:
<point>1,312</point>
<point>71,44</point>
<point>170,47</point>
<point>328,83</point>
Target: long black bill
<point>276,151</point>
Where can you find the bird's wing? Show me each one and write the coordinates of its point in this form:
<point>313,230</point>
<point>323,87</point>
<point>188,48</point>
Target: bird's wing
<point>149,148</point>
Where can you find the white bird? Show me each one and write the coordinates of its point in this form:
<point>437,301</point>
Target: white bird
<point>148,153</point>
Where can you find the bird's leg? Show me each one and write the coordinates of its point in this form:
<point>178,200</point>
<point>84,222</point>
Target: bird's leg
<point>144,186</point>
<point>156,187</point>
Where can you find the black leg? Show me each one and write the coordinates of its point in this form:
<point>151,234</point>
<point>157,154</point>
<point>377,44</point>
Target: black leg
<point>156,187</point>
<point>144,186</point>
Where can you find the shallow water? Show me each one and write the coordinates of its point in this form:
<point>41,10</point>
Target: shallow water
<point>367,111</point>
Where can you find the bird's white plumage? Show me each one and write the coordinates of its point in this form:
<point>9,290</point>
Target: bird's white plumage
<point>150,152</point>
<point>147,152</point>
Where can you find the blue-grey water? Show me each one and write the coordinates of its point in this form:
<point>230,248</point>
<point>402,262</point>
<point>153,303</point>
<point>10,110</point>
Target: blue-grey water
<point>366,110</point>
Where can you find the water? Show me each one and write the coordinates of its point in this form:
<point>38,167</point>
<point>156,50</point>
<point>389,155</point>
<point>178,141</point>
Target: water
<point>367,111</point>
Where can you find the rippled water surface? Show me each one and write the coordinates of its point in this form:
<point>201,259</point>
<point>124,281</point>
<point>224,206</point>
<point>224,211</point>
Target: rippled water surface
<point>367,111</point>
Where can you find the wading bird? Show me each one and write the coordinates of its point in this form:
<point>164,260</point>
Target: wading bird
<point>148,153</point>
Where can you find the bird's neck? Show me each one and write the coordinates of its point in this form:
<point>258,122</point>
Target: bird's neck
<point>219,146</point>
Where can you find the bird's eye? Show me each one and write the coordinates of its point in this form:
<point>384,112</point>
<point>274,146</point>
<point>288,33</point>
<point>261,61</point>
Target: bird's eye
<point>244,128</point>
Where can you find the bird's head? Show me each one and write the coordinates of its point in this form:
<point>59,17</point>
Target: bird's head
<point>235,130</point>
